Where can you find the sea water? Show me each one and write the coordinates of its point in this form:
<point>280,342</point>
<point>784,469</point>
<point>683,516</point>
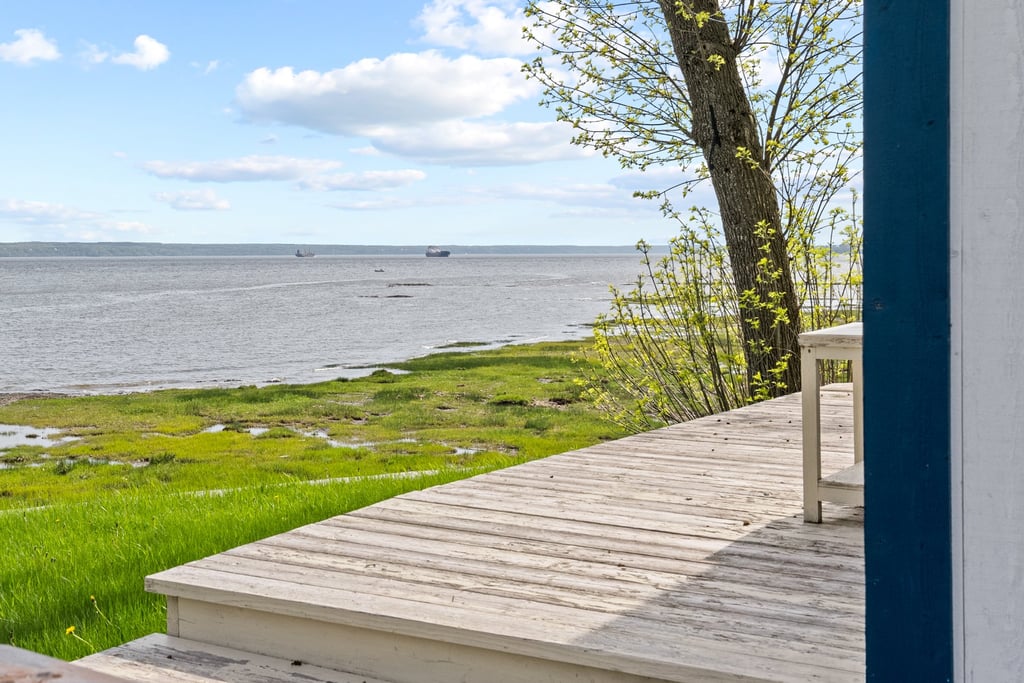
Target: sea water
<point>106,325</point>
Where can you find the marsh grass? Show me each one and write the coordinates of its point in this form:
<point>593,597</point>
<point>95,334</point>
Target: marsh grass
<point>466,409</point>
<point>81,523</point>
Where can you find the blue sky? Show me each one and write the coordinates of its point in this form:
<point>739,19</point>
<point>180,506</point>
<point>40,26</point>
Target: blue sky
<point>299,121</point>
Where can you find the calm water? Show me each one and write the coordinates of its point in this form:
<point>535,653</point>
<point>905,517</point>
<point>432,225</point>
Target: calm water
<point>101,325</point>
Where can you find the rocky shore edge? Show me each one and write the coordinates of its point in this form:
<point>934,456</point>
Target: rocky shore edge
<point>7,399</point>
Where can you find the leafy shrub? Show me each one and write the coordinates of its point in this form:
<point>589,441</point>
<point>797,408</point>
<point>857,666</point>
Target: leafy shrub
<point>671,348</point>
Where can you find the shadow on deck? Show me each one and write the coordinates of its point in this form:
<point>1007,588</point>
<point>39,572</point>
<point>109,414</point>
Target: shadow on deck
<point>675,555</point>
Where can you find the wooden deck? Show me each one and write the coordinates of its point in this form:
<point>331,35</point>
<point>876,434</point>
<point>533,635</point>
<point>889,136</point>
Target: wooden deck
<point>676,555</point>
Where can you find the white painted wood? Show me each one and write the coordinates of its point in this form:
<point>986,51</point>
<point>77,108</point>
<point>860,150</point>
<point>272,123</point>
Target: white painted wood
<point>843,342</point>
<point>850,478</point>
<point>172,615</point>
<point>857,372</point>
<point>677,555</point>
<point>840,337</point>
<point>845,486</point>
<point>811,422</point>
<point>987,283</point>
<point>160,658</point>
<point>406,659</point>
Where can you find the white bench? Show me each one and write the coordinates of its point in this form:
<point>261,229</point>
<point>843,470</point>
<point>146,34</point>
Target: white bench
<point>847,486</point>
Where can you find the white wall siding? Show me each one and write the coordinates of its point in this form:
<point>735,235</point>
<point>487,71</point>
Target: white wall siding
<point>987,281</point>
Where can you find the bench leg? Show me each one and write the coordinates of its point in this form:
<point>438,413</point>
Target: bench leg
<point>857,368</point>
<point>811,417</point>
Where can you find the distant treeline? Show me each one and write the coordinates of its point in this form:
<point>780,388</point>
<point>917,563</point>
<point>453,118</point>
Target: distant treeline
<point>63,249</point>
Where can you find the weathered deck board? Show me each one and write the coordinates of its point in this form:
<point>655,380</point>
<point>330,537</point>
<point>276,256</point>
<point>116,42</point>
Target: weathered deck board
<point>22,666</point>
<point>676,555</point>
<point>158,658</point>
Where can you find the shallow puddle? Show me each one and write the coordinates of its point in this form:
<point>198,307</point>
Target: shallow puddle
<point>20,435</point>
<point>254,431</point>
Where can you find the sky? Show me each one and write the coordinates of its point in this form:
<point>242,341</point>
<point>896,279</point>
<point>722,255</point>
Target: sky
<point>293,121</point>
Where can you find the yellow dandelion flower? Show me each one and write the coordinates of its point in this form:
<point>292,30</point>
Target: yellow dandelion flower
<point>69,630</point>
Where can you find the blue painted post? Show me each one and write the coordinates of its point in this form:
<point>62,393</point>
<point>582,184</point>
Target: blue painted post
<point>908,551</point>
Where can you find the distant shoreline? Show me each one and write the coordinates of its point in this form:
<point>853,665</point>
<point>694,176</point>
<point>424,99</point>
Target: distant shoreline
<point>138,249</point>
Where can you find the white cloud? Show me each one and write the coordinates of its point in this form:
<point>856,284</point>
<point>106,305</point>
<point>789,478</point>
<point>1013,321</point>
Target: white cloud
<point>243,169</point>
<point>59,222</point>
<point>477,25</point>
<point>575,198</point>
<point>193,200</point>
<point>571,199</point>
<point>766,63</point>
<point>92,54</point>
<point>402,89</point>
<point>481,144</point>
<point>368,180</point>
<point>683,186</point>
<point>149,54</point>
<point>104,231</point>
<point>390,203</point>
<point>42,213</point>
<point>563,193</point>
<point>654,178</point>
<point>207,68</point>
<point>127,226</point>
<point>423,106</point>
<point>30,46</point>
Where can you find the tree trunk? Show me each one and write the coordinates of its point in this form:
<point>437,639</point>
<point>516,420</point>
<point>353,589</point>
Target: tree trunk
<point>722,124</point>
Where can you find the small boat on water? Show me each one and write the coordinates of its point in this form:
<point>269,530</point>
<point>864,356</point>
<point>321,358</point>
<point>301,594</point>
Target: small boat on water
<point>304,253</point>
<point>437,251</point>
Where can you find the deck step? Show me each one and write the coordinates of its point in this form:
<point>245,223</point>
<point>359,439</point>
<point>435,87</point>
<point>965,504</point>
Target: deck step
<point>23,666</point>
<point>673,556</point>
<point>167,659</point>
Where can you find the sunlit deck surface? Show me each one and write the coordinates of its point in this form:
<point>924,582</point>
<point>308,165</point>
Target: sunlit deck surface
<point>676,555</point>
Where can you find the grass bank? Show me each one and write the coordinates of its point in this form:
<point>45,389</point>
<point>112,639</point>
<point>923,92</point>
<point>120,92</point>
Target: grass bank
<point>72,574</point>
<point>83,521</point>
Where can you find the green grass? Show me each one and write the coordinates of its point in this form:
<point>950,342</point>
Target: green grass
<point>82,565</point>
<point>90,518</point>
